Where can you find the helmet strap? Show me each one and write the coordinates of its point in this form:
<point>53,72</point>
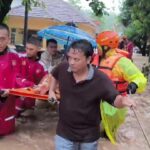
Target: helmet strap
<point>105,49</point>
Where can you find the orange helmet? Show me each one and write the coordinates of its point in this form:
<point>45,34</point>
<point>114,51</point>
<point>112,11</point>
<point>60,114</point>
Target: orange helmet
<point>108,38</point>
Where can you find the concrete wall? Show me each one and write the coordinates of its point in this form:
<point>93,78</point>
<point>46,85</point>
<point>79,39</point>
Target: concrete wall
<point>40,23</point>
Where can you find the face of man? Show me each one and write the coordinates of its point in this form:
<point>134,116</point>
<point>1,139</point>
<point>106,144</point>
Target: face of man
<point>4,39</point>
<point>31,50</point>
<point>52,48</point>
<point>77,60</point>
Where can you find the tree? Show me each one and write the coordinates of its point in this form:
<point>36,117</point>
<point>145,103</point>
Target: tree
<point>98,7</point>
<point>28,4</point>
<point>6,5</point>
<point>136,17</point>
<point>4,8</point>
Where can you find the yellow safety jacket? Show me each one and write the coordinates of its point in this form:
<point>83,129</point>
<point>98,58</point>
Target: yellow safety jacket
<point>120,69</point>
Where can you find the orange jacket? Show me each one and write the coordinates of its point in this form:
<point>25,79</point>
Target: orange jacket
<point>106,66</point>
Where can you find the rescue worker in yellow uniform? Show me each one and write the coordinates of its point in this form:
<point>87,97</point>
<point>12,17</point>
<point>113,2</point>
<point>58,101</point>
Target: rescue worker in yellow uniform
<point>127,78</point>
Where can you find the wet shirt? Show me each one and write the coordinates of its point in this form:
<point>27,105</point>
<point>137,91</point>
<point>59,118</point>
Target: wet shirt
<point>79,114</point>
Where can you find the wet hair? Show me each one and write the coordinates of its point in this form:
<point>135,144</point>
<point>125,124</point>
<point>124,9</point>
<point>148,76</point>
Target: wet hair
<point>34,40</point>
<point>83,46</point>
<point>4,27</point>
<point>51,41</point>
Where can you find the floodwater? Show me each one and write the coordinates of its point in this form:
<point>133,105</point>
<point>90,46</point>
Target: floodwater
<point>38,133</point>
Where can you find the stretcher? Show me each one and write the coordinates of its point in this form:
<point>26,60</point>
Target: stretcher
<point>31,93</point>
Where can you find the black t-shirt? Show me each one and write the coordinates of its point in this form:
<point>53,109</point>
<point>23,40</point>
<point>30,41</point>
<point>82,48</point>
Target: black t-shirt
<point>79,110</point>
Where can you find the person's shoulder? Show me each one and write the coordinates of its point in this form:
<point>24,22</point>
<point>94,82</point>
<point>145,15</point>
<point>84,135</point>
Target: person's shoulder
<point>61,68</point>
<point>41,64</point>
<point>99,74</point>
<point>101,79</point>
<point>45,54</point>
<point>125,59</point>
<point>63,64</point>
<point>22,55</point>
<point>124,62</point>
<point>59,54</point>
<point>13,53</point>
<point>11,50</point>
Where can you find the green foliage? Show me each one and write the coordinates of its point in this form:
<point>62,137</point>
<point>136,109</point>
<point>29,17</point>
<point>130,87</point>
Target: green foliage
<point>98,7</point>
<point>135,15</point>
<point>5,20</point>
<point>4,8</point>
<point>34,3</point>
<point>1,3</point>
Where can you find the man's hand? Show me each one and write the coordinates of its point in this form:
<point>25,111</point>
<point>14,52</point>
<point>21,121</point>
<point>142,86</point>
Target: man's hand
<point>132,87</point>
<point>128,102</point>
<point>37,88</point>
<point>4,93</point>
<point>52,98</point>
<point>124,101</point>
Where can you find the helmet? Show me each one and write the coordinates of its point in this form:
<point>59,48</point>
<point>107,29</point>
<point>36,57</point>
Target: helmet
<point>108,38</point>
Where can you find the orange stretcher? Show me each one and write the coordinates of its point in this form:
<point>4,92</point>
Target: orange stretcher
<point>29,92</point>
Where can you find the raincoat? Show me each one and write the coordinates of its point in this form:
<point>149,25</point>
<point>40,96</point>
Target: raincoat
<point>124,70</point>
<point>9,71</point>
<point>32,71</point>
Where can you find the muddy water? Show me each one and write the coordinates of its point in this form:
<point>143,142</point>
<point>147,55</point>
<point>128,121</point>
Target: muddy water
<point>38,133</point>
<point>130,135</point>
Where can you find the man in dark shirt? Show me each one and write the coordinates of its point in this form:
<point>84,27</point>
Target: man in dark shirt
<point>81,88</point>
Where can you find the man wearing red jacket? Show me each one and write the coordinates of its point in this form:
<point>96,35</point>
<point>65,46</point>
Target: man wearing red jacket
<point>9,70</point>
<point>32,71</point>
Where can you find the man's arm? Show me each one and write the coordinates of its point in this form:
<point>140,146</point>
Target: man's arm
<point>52,89</point>
<point>132,74</point>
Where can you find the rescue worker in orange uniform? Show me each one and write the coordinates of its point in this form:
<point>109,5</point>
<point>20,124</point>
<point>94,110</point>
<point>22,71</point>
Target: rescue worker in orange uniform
<point>126,76</point>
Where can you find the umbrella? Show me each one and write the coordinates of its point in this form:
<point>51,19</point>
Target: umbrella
<point>65,34</point>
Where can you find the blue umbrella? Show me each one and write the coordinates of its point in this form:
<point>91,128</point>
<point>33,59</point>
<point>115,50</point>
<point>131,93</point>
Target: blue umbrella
<point>65,34</point>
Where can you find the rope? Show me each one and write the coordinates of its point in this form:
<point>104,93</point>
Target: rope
<point>141,127</point>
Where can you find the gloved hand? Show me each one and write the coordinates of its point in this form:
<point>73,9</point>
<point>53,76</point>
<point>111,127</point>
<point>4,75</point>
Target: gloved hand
<point>132,87</point>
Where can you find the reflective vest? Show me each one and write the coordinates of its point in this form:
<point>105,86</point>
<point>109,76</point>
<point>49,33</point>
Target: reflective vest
<point>107,66</point>
<point>122,52</point>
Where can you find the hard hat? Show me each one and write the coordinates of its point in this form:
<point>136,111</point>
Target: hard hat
<point>108,38</point>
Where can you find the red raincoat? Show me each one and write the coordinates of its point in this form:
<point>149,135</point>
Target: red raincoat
<point>32,72</point>
<point>9,70</point>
